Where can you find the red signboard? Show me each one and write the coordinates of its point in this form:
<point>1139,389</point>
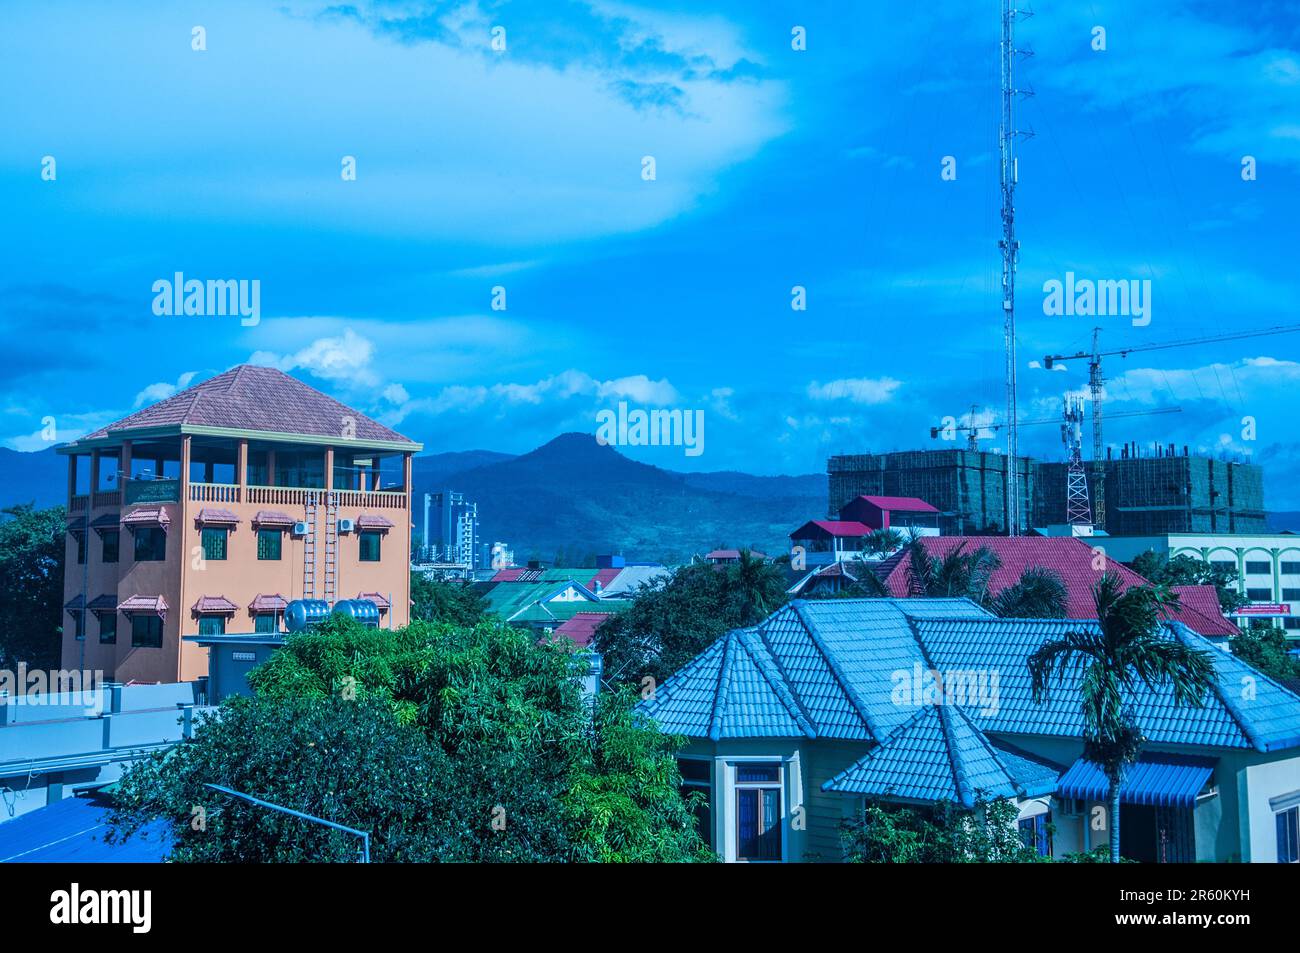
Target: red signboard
<point>1265,609</point>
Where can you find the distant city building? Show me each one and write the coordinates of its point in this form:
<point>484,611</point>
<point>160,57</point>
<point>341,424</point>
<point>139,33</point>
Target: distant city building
<point>1267,567</point>
<point>208,512</point>
<point>450,531</point>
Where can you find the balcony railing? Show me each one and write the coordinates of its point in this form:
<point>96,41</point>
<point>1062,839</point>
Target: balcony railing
<point>214,492</point>
<point>294,496</point>
<point>78,504</point>
<point>106,498</point>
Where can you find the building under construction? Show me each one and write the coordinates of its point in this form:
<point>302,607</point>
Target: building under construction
<point>967,486</point>
<point>1160,490</point>
<point>1147,491</point>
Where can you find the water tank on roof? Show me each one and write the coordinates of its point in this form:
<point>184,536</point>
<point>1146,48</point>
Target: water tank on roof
<point>301,613</point>
<point>363,610</point>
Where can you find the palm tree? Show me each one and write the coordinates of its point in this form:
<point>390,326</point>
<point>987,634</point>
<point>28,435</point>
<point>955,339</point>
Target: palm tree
<point>957,574</point>
<point>758,587</point>
<point>1128,646</point>
<point>882,542</point>
<point>1039,594</point>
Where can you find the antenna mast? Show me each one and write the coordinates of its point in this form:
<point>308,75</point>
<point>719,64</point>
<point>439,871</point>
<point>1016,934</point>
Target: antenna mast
<point>1010,255</point>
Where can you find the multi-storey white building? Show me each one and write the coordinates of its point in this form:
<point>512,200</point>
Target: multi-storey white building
<point>1267,565</point>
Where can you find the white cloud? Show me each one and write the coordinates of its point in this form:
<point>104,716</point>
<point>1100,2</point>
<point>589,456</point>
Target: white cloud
<point>162,390</point>
<point>859,390</point>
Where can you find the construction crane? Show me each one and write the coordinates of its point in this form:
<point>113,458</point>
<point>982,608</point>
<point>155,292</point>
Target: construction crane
<point>949,428</point>
<point>1096,379</point>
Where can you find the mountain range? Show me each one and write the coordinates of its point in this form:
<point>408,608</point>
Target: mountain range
<point>570,499</point>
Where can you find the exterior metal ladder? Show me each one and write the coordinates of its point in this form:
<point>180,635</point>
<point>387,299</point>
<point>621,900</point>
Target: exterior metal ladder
<point>309,551</point>
<point>331,546</point>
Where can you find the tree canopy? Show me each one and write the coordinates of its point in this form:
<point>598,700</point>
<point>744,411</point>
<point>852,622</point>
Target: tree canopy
<point>525,767</point>
<point>1185,570</point>
<point>673,619</point>
<point>31,586</point>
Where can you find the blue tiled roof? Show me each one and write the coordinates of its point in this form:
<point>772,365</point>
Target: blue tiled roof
<point>938,754</point>
<point>835,669</point>
<point>1245,710</point>
<point>72,831</point>
<point>825,670</point>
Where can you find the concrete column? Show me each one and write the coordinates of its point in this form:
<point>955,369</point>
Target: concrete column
<point>241,466</point>
<point>94,474</point>
<point>125,462</point>
<point>72,478</point>
<point>329,468</point>
<point>185,466</point>
<point>270,468</point>
<point>107,721</point>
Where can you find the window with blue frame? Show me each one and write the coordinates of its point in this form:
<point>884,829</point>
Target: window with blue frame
<point>107,628</point>
<point>1035,834</point>
<point>1288,836</point>
<point>758,811</point>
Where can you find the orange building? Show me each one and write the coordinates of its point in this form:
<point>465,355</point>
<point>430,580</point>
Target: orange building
<point>207,512</point>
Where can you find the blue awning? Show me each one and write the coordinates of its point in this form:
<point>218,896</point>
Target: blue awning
<point>1162,780</point>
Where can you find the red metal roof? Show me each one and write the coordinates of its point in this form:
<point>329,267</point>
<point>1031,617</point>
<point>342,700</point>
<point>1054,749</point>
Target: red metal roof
<point>840,528</point>
<point>509,575</point>
<point>604,577</point>
<point>216,514</point>
<point>255,398</point>
<point>900,504</point>
<point>581,627</point>
<point>214,605</point>
<point>1203,603</point>
<point>1069,557</point>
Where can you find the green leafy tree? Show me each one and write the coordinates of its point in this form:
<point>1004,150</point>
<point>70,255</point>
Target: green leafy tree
<point>1039,594</point>
<point>946,833</point>
<point>675,618</point>
<point>347,762</point>
<point>957,573</point>
<point>441,600</point>
<point>532,773</point>
<point>1267,649</point>
<point>1185,570</point>
<point>1128,647</point>
<point>31,586</point>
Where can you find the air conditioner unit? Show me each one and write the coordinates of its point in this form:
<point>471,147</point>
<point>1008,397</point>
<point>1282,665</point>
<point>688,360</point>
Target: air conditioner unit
<point>346,526</point>
<point>300,529</point>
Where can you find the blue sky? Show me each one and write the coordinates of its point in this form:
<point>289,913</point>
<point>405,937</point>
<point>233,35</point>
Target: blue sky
<point>774,168</point>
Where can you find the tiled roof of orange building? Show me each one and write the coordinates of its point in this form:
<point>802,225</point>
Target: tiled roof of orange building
<point>248,397</point>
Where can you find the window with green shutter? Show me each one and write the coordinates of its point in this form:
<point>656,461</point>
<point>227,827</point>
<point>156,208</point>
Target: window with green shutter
<point>214,542</point>
<point>268,543</point>
<point>370,545</point>
<point>264,622</point>
<point>212,625</point>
